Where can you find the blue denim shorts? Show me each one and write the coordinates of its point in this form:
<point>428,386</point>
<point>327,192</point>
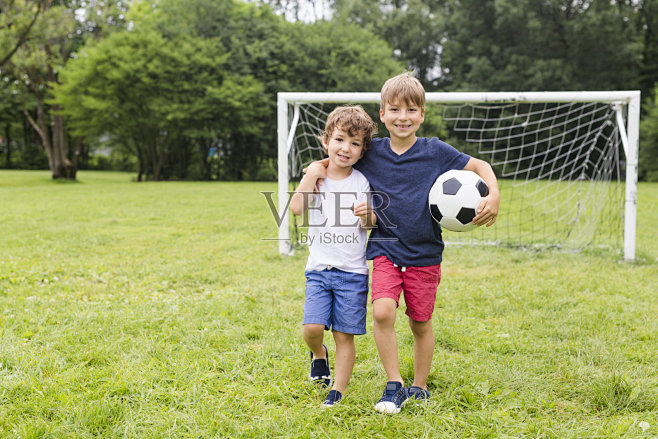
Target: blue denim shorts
<point>336,299</point>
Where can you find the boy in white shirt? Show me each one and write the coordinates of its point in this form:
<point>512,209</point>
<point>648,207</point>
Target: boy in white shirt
<point>336,271</point>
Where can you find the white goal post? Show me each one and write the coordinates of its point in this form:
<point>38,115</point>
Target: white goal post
<point>562,147</point>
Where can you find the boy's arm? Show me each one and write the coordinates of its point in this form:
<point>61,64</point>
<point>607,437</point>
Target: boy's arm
<point>488,209</point>
<point>302,197</point>
<point>366,215</point>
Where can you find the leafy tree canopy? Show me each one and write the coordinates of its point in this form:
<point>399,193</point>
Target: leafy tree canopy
<point>206,73</point>
<point>539,45</point>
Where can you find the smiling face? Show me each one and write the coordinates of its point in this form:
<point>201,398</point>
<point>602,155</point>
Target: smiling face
<point>344,150</point>
<point>402,120</point>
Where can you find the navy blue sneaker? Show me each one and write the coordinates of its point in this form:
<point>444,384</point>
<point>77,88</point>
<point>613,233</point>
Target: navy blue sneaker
<point>333,398</point>
<point>320,372</point>
<point>418,393</point>
<point>395,395</point>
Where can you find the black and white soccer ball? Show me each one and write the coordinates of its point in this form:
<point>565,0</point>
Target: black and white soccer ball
<point>455,197</point>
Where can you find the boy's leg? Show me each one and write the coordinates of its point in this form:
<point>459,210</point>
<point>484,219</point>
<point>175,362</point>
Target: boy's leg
<point>320,372</point>
<point>314,336</point>
<point>386,290</point>
<point>395,394</point>
<point>343,360</point>
<point>420,295</point>
<point>348,319</point>
<point>317,311</point>
<point>423,351</point>
<point>383,314</point>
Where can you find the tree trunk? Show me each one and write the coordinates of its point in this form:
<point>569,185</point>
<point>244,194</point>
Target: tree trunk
<point>56,148</point>
<point>41,128</point>
<point>133,147</point>
<point>157,158</point>
<point>64,167</point>
<point>78,153</point>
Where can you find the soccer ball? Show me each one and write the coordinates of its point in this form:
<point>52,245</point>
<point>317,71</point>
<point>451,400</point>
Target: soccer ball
<point>455,197</point>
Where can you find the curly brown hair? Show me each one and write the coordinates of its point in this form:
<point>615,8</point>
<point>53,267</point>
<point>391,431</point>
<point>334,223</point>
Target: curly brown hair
<point>352,119</point>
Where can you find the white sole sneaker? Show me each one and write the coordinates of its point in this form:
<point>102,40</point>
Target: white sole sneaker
<point>387,407</point>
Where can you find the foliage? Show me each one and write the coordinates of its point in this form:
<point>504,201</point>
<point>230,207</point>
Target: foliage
<point>411,27</point>
<point>206,73</point>
<point>647,25</point>
<point>539,45</point>
<point>36,64</point>
<point>59,29</point>
<point>452,45</point>
<point>17,19</point>
<point>115,161</point>
<point>155,95</point>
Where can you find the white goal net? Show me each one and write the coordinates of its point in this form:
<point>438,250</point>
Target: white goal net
<point>566,161</point>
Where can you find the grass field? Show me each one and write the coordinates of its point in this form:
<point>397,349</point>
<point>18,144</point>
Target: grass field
<point>157,310</point>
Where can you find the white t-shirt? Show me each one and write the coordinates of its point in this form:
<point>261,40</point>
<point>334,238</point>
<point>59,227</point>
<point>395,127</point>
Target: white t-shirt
<point>335,236</point>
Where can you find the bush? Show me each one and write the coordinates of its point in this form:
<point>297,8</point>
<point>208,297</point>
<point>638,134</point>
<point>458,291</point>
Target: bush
<point>32,158</point>
<point>114,162</point>
<point>267,171</point>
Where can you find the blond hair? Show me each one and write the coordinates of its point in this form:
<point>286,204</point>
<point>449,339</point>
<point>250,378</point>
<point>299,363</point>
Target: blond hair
<point>403,87</point>
<point>352,119</point>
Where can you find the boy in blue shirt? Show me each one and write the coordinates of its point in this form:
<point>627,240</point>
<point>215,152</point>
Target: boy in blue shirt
<point>406,247</point>
<point>336,270</point>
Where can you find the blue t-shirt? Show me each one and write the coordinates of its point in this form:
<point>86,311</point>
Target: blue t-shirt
<point>406,233</point>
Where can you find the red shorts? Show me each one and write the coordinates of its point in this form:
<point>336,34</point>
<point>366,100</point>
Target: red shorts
<point>419,285</point>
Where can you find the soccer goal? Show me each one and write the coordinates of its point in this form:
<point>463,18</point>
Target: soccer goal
<point>566,161</point>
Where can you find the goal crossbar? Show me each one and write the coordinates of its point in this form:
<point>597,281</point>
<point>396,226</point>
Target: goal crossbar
<point>469,97</point>
<point>623,101</point>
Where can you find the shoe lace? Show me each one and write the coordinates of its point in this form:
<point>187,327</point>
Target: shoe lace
<point>389,393</point>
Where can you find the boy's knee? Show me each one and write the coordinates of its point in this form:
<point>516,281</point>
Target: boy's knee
<point>313,330</point>
<point>343,338</point>
<point>420,329</point>
<point>383,310</point>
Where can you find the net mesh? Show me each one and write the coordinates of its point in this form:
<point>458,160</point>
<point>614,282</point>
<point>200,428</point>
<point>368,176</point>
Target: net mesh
<point>558,164</point>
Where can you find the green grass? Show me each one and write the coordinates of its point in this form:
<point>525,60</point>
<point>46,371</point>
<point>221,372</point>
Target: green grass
<point>157,310</point>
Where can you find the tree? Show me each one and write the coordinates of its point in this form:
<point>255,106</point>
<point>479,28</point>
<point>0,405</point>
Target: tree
<point>38,61</point>
<point>282,56</point>
<point>647,25</point>
<point>412,28</point>
<point>198,76</point>
<point>539,45</point>
<point>8,115</point>
<point>56,28</point>
<point>20,144</point>
<point>154,95</point>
